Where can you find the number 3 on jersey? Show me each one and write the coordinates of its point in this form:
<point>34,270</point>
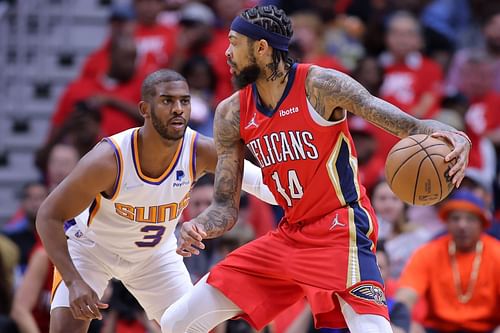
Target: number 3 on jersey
<point>295,190</point>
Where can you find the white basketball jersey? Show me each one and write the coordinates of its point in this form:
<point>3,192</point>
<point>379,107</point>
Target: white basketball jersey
<point>142,214</point>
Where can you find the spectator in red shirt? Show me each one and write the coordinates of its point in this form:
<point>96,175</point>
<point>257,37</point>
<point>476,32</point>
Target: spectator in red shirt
<point>121,22</point>
<point>155,42</point>
<point>482,121</point>
<point>115,94</point>
<point>199,36</point>
<point>491,32</point>
<point>411,81</point>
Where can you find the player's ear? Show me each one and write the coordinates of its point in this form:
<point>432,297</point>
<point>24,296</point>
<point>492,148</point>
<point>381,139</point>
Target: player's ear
<point>262,46</point>
<point>144,109</point>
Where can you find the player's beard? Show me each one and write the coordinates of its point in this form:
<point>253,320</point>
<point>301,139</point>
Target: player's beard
<point>162,128</point>
<point>247,75</point>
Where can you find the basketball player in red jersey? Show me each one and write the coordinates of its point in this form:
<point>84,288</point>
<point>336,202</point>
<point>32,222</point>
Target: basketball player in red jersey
<point>293,118</point>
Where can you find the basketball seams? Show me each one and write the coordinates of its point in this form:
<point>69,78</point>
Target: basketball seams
<point>416,177</point>
<point>403,148</point>
<point>417,143</point>
<point>401,165</point>
<point>435,169</point>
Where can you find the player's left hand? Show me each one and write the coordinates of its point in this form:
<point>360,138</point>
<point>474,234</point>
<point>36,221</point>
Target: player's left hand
<point>190,239</point>
<point>460,153</point>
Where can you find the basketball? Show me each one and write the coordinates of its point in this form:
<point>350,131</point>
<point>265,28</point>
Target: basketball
<point>416,170</point>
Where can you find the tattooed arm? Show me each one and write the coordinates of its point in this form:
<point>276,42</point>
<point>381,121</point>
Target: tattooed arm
<point>222,214</point>
<point>331,92</point>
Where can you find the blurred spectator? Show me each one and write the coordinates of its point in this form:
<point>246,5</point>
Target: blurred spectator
<point>411,81</point>
<point>21,229</point>
<point>481,119</point>
<point>61,159</point>
<point>397,312</point>
<point>457,274</point>
<point>125,314</point>
<point>31,306</point>
<point>491,31</point>
<point>9,256</point>
<point>452,112</point>
<point>343,38</point>
<point>9,259</point>
<point>309,41</point>
<point>445,23</point>
<point>198,36</point>
<point>202,82</point>
<point>115,94</point>
<point>82,130</point>
<point>370,74</point>
<point>474,183</point>
<point>225,11</point>
<point>325,8</point>
<point>121,23</point>
<point>155,42</point>
<point>196,24</point>
<point>401,237</point>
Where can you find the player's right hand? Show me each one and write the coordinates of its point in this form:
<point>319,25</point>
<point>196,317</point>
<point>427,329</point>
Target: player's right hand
<point>190,239</point>
<point>83,301</point>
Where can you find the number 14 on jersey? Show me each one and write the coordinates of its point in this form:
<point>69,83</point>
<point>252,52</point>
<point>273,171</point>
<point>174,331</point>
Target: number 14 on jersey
<point>294,190</point>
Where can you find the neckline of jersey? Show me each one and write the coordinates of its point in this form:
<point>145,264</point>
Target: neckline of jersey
<point>264,109</point>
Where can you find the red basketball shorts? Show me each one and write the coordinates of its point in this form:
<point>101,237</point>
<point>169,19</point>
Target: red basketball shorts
<point>333,255</point>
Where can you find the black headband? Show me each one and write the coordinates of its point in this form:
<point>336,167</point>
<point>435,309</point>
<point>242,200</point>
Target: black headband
<point>257,32</point>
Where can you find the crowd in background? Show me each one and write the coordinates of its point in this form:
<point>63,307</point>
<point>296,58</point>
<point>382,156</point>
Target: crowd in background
<point>436,59</point>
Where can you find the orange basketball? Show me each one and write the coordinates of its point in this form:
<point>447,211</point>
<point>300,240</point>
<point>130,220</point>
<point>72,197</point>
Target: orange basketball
<point>416,171</point>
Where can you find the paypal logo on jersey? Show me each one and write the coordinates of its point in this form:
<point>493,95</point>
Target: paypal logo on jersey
<point>179,175</point>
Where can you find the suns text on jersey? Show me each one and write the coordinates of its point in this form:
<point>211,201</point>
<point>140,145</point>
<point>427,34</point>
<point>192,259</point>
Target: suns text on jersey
<point>151,214</point>
<point>283,146</point>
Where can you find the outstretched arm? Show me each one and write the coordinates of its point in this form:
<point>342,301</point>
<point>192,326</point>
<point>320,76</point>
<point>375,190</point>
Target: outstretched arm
<point>222,214</point>
<point>329,90</point>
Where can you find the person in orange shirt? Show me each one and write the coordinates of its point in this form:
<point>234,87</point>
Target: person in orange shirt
<point>457,274</point>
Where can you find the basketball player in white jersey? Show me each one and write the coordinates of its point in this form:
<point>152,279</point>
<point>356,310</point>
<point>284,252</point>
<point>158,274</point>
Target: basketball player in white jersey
<point>121,205</point>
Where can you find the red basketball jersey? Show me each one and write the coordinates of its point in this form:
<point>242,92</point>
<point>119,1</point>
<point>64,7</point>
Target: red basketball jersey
<point>308,163</point>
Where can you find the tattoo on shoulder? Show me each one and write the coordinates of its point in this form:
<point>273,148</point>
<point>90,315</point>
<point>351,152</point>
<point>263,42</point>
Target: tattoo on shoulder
<point>227,122</point>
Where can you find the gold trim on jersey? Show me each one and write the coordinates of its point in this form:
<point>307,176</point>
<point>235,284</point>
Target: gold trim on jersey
<point>332,170</point>
<point>138,162</point>
<point>120,169</point>
<point>353,274</point>
<point>354,165</point>
<point>95,209</point>
<point>192,157</point>
<point>56,282</point>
